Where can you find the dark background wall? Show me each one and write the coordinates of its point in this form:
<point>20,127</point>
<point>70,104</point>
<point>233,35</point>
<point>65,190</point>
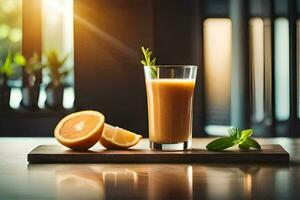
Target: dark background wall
<point>108,37</point>
<point>108,75</point>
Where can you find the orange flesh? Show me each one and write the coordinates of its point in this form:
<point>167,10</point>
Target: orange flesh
<point>79,126</point>
<point>121,139</point>
<point>119,135</point>
<point>116,138</point>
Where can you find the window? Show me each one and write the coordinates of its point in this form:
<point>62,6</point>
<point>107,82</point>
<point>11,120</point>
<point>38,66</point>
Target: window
<point>57,34</point>
<point>282,89</point>
<point>11,40</point>
<point>217,67</point>
<point>257,67</point>
<point>10,26</point>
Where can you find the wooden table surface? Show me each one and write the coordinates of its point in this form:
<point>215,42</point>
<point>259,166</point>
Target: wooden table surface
<point>19,180</point>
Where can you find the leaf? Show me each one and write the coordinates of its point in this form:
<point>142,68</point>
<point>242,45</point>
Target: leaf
<point>62,62</point>
<point>56,66</point>
<point>19,59</point>
<point>153,74</point>
<point>32,65</point>
<point>234,132</point>
<point>149,53</point>
<point>148,62</point>
<point>244,135</point>
<point>221,144</point>
<point>143,50</point>
<point>65,73</point>
<point>35,63</point>
<point>145,55</point>
<point>244,146</point>
<point>7,68</point>
<point>152,63</point>
<point>236,137</point>
<point>251,143</point>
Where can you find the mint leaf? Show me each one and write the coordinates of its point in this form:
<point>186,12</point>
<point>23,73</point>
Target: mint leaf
<point>245,134</point>
<point>243,146</point>
<point>221,144</point>
<point>234,133</point>
<point>242,138</point>
<point>251,143</point>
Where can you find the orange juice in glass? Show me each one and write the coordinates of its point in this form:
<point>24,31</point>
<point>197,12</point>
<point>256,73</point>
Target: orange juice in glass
<point>170,93</point>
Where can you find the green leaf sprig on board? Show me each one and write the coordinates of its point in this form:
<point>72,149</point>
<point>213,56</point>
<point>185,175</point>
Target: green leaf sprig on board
<point>242,138</point>
<point>148,62</point>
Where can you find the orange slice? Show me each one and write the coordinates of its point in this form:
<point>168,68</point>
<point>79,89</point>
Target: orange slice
<point>80,130</point>
<point>118,138</point>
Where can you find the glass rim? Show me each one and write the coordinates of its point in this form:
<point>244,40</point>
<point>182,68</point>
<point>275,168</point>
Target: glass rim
<point>174,66</point>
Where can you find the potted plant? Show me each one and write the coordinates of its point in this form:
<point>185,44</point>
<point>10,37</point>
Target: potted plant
<point>6,71</point>
<point>57,72</point>
<point>31,86</point>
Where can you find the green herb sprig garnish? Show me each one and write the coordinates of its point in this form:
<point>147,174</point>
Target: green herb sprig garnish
<point>242,138</point>
<point>148,62</point>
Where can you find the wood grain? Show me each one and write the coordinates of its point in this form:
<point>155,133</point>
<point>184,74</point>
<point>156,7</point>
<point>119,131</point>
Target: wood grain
<point>59,154</point>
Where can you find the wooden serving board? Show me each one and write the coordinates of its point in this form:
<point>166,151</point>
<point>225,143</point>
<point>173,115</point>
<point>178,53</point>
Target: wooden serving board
<point>59,154</point>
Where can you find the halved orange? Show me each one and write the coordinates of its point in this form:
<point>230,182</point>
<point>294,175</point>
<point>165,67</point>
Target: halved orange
<point>118,138</point>
<point>80,130</point>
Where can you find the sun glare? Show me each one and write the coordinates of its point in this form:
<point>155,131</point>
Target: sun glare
<point>57,34</point>
<point>54,8</point>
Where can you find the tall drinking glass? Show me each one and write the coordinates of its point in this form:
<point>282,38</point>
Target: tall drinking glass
<point>170,91</point>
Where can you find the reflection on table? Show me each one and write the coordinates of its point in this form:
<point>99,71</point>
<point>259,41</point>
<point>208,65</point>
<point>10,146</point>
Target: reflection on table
<point>165,181</point>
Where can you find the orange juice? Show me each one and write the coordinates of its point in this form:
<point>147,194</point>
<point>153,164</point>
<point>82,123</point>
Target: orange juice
<point>170,109</point>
